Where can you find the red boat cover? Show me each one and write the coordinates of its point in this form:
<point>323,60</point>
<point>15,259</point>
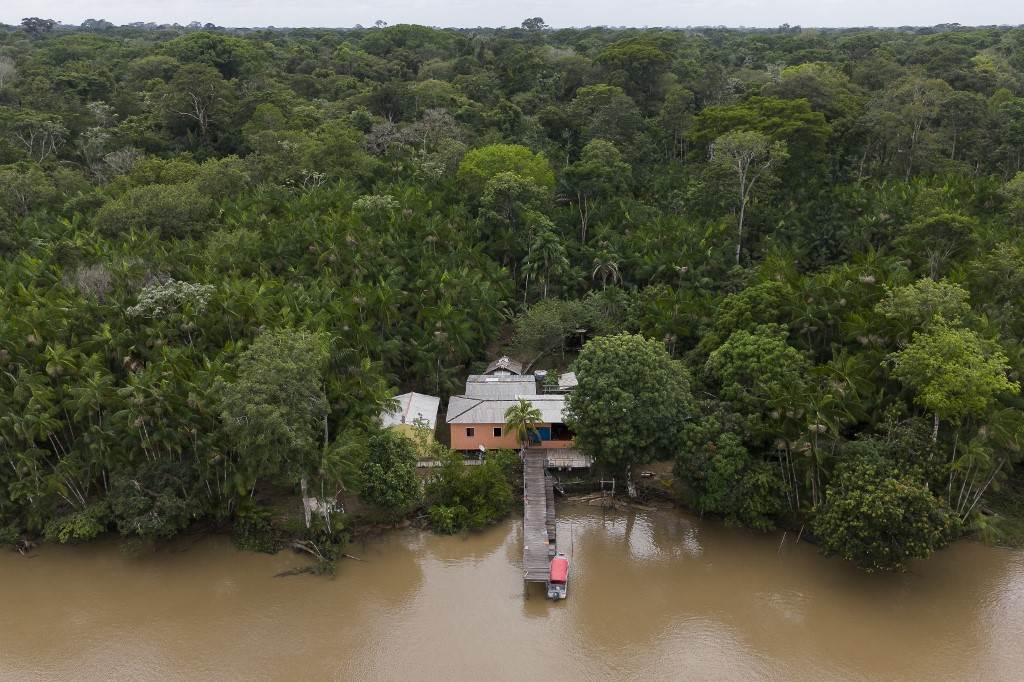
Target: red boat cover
<point>559,569</point>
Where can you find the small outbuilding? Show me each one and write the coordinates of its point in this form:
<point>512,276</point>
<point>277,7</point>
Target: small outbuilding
<point>504,366</point>
<point>567,382</point>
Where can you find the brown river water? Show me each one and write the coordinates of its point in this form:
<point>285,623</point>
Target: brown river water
<point>653,595</point>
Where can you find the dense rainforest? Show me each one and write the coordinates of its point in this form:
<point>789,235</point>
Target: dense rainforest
<point>223,251</point>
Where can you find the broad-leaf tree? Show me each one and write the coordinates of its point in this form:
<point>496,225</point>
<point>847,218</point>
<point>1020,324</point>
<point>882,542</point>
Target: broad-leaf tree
<point>631,402</point>
<point>275,409</point>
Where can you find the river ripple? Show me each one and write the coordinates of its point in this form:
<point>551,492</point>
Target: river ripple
<point>653,595</point>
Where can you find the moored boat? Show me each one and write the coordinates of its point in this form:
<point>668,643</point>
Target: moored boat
<point>558,577</point>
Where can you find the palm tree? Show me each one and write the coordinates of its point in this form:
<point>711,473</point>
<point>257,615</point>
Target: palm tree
<point>522,418</point>
<point>547,254</point>
<point>606,266</point>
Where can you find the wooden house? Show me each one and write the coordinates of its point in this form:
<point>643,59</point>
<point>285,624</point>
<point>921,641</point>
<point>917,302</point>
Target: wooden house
<point>476,419</point>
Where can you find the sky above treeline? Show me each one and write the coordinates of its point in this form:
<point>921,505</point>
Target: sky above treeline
<point>470,13</point>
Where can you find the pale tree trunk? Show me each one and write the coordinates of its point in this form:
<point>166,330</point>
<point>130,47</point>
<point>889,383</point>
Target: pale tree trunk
<point>584,208</point>
<point>981,491</point>
<point>739,230</point>
<point>305,500</point>
<point>744,189</point>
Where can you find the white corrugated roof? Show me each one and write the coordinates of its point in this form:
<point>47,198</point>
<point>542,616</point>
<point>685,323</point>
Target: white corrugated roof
<point>413,408</point>
<point>466,410</point>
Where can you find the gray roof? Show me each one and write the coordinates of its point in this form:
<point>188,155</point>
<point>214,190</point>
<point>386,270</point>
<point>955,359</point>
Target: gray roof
<point>503,365</point>
<point>567,381</point>
<point>413,407</point>
<point>465,410</point>
<point>499,387</point>
<point>551,407</point>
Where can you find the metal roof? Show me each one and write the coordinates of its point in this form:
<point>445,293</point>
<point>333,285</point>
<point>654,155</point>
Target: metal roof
<point>504,364</point>
<point>567,381</point>
<point>459,405</point>
<point>413,408</point>
<point>499,387</point>
<point>467,410</point>
<point>551,407</point>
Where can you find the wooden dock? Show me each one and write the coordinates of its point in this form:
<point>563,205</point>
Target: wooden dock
<point>539,542</point>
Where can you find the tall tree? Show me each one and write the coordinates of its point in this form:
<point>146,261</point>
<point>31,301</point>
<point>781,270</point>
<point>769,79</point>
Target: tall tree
<point>8,71</point>
<point>275,411</point>
<point>748,156</point>
<point>880,518</point>
<point>600,171</point>
<point>953,372</point>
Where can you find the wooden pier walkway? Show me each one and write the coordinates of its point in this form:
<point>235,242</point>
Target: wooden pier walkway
<point>539,542</point>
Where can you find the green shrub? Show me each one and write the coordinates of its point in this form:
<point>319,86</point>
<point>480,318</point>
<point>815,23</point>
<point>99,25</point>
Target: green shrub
<point>8,535</point>
<point>253,531</point>
<point>448,520</point>
<point>388,474</point>
<point>469,497</point>
<point>78,526</point>
<point>880,518</point>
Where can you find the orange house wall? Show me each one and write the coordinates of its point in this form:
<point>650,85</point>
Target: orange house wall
<point>485,436</point>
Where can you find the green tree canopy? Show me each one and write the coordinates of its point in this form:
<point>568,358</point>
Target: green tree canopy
<point>479,165</point>
<point>631,402</point>
<point>171,210</point>
<point>605,112</point>
<point>757,366</point>
<point>273,412</point>
<point>825,86</point>
<point>804,131</point>
<point>388,474</point>
<point>925,302</point>
<point>953,372</point>
<point>879,518</point>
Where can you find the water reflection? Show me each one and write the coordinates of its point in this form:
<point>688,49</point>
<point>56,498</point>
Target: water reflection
<point>389,569</point>
<point>472,547</point>
<point>653,595</point>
